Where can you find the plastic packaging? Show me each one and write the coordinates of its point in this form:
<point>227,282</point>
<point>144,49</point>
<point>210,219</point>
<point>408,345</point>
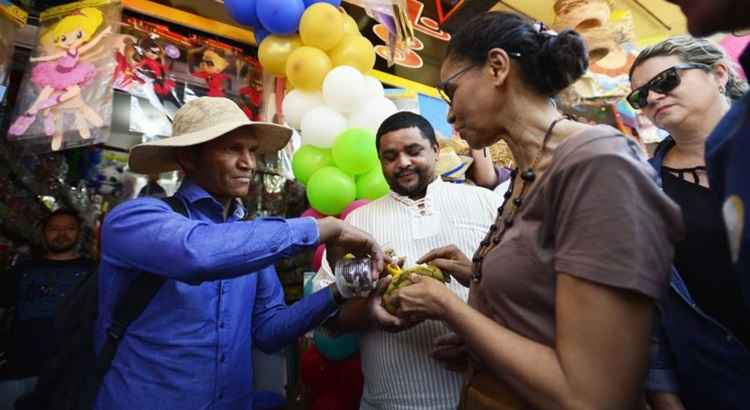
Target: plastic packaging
<point>12,19</point>
<point>66,97</point>
<point>355,276</point>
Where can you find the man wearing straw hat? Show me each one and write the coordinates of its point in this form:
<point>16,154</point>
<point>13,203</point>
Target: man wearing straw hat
<point>190,348</point>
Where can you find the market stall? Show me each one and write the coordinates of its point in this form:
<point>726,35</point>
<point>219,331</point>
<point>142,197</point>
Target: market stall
<point>331,70</point>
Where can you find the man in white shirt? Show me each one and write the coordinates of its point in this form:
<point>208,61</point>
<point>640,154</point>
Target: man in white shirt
<point>421,213</point>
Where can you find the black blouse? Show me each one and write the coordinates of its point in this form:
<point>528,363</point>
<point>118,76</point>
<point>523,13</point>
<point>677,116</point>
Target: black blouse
<point>703,257</point>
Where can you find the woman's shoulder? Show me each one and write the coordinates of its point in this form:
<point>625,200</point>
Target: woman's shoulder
<point>595,142</point>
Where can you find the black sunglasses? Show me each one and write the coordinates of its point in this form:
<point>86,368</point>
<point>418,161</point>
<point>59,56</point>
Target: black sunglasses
<point>443,87</point>
<point>662,83</point>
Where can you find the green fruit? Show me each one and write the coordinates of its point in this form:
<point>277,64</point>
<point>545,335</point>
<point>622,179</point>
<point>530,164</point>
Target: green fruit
<point>401,279</point>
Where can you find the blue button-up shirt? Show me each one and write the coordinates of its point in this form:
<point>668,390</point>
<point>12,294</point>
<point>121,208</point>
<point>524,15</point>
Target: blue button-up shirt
<point>191,347</point>
<point>693,354</point>
<point>728,163</point>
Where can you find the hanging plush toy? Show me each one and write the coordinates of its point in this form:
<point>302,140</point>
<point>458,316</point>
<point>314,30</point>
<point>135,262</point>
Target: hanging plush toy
<point>211,70</point>
<point>60,76</point>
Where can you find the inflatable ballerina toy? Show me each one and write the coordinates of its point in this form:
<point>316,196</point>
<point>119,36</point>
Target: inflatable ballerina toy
<point>61,76</point>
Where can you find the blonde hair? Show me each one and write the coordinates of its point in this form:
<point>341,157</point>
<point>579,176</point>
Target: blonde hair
<point>218,60</point>
<point>696,50</point>
<point>88,19</point>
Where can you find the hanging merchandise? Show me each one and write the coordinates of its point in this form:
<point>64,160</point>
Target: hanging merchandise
<point>12,19</point>
<point>211,70</point>
<point>146,53</point>
<point>112,180</point>
<point>162,65</point>
<point>66,97</point>
<point>251,95</point>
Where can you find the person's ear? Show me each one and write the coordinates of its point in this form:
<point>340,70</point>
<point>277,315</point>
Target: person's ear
<point>720,72</point>
<point>498,62</point>
<point>187,159</point>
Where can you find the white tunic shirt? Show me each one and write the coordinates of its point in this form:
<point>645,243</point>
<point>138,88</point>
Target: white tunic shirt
<point>398,371</point>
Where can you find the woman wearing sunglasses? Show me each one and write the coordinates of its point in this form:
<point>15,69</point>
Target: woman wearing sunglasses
<point>685,86</point>
<point>562,287</point>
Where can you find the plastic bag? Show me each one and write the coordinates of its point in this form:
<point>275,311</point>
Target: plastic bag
<point>12,19</point>
<point>66,97</point>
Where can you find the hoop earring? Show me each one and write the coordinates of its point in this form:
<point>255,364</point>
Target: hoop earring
<point>722,89</point>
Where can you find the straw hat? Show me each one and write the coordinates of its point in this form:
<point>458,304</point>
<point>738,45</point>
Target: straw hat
<point>201,120</point>
<point>451,166</point>
<point>581,15</point>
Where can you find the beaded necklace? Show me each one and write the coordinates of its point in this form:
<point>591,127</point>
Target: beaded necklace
<point>495,234</point>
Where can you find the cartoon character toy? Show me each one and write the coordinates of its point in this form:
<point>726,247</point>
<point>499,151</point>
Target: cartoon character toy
<point>61,76</point>
<point>211,70</point>
<point>152,65</point>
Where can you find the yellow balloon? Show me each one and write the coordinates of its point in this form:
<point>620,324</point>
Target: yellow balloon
<point>355,51</point>
<point>321,26</point>
<point>307,67</point>
<point>274,51</point>
<point>350,26</point>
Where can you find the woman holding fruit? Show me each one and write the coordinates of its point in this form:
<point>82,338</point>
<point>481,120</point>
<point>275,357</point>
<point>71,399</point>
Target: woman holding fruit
<point>563,285</point>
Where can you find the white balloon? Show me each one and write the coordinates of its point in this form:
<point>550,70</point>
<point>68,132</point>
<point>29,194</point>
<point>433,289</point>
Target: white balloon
<point>374,87</point>
<point>344,89</point>
<point>298,103</point>
<point>321,126</point>
<point>370,115</point>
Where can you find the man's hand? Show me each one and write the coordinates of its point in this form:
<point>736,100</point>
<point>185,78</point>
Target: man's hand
<point>452,261</point>
<point>378,315</point>
<point>342,238</point>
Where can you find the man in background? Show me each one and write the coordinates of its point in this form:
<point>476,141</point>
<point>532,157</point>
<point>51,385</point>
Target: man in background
<point>35,290</point>
<point>422,213</point>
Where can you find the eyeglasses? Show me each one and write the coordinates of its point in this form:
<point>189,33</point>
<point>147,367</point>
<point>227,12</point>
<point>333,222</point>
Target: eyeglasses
<point>662,83</point>
<point>443,87</point>
<point>208,63</point>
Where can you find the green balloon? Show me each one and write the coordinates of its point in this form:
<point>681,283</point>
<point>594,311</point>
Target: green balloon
<point>309,159</point>
<point>330,190</point>
<point>354,151</point>
<point>372,185</point>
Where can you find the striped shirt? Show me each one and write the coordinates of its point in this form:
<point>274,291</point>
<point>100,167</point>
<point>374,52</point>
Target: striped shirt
<point>399,373</point>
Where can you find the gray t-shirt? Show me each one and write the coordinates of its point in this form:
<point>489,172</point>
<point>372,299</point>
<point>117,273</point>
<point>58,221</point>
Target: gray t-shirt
<point>598,214</point>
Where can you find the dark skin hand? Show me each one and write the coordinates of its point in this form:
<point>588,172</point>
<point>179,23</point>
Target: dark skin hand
<point>452,261</point>
<point>362,314</point>
<point>342,238</point>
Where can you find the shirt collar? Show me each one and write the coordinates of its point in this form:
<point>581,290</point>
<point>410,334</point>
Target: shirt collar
<point>194,193</point>
<point>426,201</point>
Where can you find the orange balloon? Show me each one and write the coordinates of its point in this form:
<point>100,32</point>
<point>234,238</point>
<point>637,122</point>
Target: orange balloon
<point>307,67</point>
<point>355,51</point>
<point>321,26</point>
<point>275,50</point>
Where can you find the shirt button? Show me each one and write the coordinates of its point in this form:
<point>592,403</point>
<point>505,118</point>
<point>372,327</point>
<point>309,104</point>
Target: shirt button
<point>730,339</point>
<point>221,395</point>
<point>223,358</point>
<point>221,325</point>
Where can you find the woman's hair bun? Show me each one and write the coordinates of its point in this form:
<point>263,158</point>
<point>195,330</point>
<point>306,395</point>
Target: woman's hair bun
<point>562,59</point>
<point>549,62</point>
